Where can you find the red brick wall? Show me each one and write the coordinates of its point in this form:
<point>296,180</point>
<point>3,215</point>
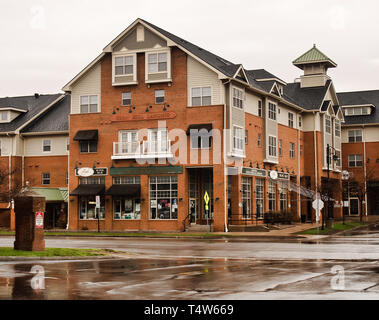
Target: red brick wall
<point>55,165</point>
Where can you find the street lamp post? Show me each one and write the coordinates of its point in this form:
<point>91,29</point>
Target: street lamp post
<point>335,157</point>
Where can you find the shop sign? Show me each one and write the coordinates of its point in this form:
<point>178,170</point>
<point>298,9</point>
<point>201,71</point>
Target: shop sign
<point>89,172</point>
<point>254,172</point>
<point>283,176</point>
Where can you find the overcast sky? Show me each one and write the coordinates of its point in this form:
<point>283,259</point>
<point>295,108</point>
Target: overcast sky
<point>45,43</point>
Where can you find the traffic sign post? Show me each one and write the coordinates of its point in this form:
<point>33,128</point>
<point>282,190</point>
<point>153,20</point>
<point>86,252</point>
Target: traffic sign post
<point>98,212</point>
<point>206,201</point>
<point>318,205</point>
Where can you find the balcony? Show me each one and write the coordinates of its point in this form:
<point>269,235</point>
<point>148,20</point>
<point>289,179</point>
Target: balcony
<point>142,150</point>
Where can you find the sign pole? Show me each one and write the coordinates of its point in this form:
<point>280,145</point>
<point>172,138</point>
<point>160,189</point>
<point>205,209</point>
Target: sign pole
<point>98,212</point>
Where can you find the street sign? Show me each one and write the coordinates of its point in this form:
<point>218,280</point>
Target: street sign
<point>318,204</point>
<point>39,220</point>
<point>97,202</point>
<point>206,199</point>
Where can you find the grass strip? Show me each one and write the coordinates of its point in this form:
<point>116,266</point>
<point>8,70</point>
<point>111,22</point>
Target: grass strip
<point>337,227</point>
<point>52,252</point>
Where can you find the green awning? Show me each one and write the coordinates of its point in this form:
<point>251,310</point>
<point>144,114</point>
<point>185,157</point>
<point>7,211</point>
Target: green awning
<point>52,194</point>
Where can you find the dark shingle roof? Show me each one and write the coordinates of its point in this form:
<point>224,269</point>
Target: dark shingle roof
<point>55,119</point>
<point>31,104</point>
<point>262,74</point>
<point>307,98</point>
<point>325,105</point>
<point>361,98</point>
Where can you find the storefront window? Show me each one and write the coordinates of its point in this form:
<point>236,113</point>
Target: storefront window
<point>271,196</point>
<point>126,207</point>
<point>164,197</point>
<point>259,197</point>
<point>283,186</point>
<point>88,209</point>
<point>246,198</point>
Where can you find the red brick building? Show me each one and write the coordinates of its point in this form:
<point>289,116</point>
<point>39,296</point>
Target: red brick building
<point>360,145</point>
<point>157,124</point>
<point>34,150</point>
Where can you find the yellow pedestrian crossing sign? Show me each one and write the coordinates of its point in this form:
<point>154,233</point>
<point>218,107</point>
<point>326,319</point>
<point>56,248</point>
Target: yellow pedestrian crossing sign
<point>206,199</point>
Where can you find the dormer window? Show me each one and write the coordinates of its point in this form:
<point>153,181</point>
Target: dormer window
<point>124,66</point>
<point>357,111</point>
<point>4,116</point>
<point>124,69</point>
<point>158,66</point>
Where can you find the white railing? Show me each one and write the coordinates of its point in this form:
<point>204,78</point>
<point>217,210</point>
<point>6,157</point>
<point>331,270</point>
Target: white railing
<point>146,149</point>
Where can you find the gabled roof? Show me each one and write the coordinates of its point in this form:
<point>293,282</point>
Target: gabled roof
<point>308,98</point>
<point>313,55</point>
<point>33,107</point>
<point>263,75</point>
<point>55,119</point>
<point>325,105</point>
<point>360,98</point>
<point>221,65</point>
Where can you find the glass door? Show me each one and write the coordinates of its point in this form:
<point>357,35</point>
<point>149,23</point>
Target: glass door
<point>354,206</point>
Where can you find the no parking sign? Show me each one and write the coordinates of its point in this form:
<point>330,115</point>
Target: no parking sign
<point>39,220</point>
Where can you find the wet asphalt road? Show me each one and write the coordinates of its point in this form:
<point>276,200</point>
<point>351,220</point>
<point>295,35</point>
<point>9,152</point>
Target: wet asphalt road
<point>334,268</point>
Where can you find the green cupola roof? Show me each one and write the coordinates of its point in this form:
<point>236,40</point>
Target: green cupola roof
<point>312,56</point>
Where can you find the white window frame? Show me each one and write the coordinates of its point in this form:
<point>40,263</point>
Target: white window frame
<point>239,98</point>
<point>1,151</point>
<point>291,118</point>
<point>339,161</point>
<point>300,121</point>
<point>7,116</point>
<point>122,99</point>
<point>272,111</point>
<point>328,119</point>
<point>155,96</point>
<point>134,74</point>
<point>260,108</point>
<point>50,145</point>
<point>44,178</point>
<point>354,135</point>
<point>280,147</point>
<point>292,150</point>
<point>239,138</point>
<point>259,140</point>
<point>202,96</point>
<point>88,145</point>
<point>337,123</point>
<point>89,103</point>
<point>246,197</point>
<point>168,62</point>
<point>272,147</point>
<point>355,160</point>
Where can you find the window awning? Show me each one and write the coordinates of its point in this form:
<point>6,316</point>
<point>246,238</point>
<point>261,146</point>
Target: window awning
<point>133,190</point>
<point>85,135</point>
<point>88,190</point>
<point>52,194</point>
<point>207,126</point>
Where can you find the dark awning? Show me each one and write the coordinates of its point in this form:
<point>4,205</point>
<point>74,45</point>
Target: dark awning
<point>206,126</point>
<point>86,135</point>
<point>133,190</point>
<point>88,190</point>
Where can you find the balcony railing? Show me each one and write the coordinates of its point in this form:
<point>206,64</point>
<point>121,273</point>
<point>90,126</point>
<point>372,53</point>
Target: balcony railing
<point>144,149</point>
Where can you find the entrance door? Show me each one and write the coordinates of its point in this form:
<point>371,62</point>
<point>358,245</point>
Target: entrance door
<point>354,206</point>
<point>192,210</point>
